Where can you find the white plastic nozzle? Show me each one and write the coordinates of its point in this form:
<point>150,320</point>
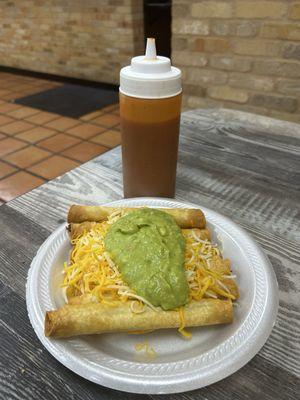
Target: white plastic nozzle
<point>150,76</point>
<point>150,53</point>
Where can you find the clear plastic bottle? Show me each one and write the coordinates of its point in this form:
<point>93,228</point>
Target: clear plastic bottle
<point>150,105</point>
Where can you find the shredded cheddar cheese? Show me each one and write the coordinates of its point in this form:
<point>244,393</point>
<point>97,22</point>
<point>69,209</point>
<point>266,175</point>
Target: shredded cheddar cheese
<point>149,351</point>
<point>181,329</point>
<point>92,272</point>
<point>203,281</point>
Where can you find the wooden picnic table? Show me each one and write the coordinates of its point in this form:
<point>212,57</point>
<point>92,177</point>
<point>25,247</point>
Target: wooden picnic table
<point>242,165</point>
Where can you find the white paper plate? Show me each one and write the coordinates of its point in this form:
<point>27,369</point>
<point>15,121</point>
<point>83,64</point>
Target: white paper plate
<point>213,353</point>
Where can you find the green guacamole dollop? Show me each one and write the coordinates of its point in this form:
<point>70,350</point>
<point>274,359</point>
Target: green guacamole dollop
<point>148,247</point>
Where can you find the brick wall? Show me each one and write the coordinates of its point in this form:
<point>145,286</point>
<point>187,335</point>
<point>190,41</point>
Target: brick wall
<point>88,39</point>
<point>239,54</point>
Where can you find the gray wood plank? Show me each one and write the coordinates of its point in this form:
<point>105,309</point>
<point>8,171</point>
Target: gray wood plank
<point>240,119</point>
<point>89,184</point>
<point>253,201</point>
<point>256,380</point>
<point>28,371</point>
<point>19,242</point>
<point>32,373</point>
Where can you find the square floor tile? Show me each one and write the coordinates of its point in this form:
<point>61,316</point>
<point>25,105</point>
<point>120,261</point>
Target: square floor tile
<point>23,112</point>
<point>107,120</point>
<point>109,138</point>
<point>58,142</point>
<point>85,130</point>
<point>62,123</point>
<point>6,75</point>
<point>8,85</point>
<point>117,128</point>
<point>24,86</point>
<point>42,82</point>
<point>8,145</point>
<point>11,96</point>
<point>53,167</point>
<point>84,151</point>
<point>6,107</point>
<point>4,92</point>
<point>29,92</point>
<point>16,127</point>
<point>12,85</point>
<point>39,81</point>
<point>27,157</point>
<point>42,118</point>
<point>17,184</point>
<point>91,115</point>
<point>4,120</point>
<point>6,169</point>
<point>36,134</point>
<point>111,108</point>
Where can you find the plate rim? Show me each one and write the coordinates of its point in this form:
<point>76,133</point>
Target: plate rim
<point>180,382</point>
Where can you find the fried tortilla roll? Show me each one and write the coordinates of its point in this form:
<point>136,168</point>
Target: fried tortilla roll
<point>222,267</point>
<point>76,230</point>
<point>93,318</point>
<point>184,217</point>
<point>82,299</point>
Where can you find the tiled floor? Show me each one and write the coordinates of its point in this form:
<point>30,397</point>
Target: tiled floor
<point>36,146</point>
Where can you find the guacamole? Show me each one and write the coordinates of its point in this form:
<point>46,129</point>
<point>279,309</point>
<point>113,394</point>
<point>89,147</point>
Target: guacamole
<point>148,247</point>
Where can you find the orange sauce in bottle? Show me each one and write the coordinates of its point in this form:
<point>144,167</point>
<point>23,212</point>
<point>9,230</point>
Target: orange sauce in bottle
<point>150,133</point>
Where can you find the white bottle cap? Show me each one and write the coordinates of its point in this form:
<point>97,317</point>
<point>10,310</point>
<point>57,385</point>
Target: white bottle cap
<point>150,76</point>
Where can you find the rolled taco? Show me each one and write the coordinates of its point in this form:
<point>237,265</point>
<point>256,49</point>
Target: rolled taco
<point>184,217</point>
<point>95,318</point>
<point>77,229</point>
